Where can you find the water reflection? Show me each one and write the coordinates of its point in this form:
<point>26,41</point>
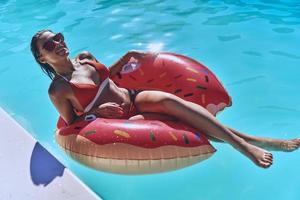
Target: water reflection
<point>228,38</point>
<point>283,30</point>
<point>252,53</point>
<point>285,54</point>
<point>275,13</point>
<point>271,107</point>
<point>71,26</point>
<point>18,19</point>
<point>246,80</point>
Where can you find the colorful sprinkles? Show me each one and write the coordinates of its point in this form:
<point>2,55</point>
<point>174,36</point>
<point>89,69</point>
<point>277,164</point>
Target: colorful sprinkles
<point>206,78</point>
<point>191,79</point>
<point>122,133</point>
<point>198,136</point>
<point>151,80</point>
<point>88,133</point>
<point>192,70</point>
<point>133,78</point>
<point>178,76</point>
<point>163,74</point>
<point>152,136</point>
<point>201,87</point>
<point>203,98</point>
<point>141,72</point>
<point>185,138</point>
<point>177,91</point>
<point>173,136</point>
<point>188,94</point>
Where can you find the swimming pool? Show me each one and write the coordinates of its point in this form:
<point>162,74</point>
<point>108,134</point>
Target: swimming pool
<point>252,46</point>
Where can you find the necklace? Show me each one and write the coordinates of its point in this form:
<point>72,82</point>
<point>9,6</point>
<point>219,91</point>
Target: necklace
<point>74,63</point>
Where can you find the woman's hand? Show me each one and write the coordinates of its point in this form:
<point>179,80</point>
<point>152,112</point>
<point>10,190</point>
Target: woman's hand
<point>137,54</point>
<point>109,110</point>
<point>130,56</point>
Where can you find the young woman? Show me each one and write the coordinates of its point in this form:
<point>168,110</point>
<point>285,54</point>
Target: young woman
<point>75,81</point>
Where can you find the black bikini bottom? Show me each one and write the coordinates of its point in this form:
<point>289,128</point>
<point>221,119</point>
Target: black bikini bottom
<point>132,94</point>
<point>132,109</point>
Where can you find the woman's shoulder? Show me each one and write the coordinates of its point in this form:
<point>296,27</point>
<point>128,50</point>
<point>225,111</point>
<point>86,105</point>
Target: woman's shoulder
<point>59,87</point>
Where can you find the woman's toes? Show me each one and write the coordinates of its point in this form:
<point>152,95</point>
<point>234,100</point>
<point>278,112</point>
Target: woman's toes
<point>268,155</point>
<point>267,159</point>
<point>265,164</point>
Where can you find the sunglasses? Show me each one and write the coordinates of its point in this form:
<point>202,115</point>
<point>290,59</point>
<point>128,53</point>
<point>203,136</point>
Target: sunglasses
<point>51,44</point>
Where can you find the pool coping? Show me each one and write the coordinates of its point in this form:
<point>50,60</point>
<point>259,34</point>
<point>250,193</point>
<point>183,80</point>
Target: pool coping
<point>28,171</point>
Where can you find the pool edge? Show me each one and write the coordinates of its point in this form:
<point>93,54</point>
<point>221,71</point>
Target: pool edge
<point>29,171</point>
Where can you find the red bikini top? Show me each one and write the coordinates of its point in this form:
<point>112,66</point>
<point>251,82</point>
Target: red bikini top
<point>85,93</point>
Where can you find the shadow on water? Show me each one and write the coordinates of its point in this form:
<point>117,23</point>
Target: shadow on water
<point>44,168</point>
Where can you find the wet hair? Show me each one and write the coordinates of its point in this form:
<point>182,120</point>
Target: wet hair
<point>47,69</point>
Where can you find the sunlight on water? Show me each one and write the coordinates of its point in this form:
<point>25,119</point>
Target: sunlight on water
<point>155,47</point>
<point>251,46</point>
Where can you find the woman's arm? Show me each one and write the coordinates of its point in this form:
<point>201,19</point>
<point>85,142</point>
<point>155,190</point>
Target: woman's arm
<point>117,67</point>
<point>59,97</point>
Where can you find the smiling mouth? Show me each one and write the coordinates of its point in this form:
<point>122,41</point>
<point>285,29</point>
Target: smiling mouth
<point>61,51</point>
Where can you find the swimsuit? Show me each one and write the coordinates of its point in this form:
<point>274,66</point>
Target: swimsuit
<point>132,109</point>
<point>87,94</point>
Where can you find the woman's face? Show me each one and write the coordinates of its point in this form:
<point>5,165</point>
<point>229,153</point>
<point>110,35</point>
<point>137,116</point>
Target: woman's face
<point>52,47</point>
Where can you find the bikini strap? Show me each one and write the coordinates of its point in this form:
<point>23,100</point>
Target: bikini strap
<point>63,77</point>
<point>104,78</point>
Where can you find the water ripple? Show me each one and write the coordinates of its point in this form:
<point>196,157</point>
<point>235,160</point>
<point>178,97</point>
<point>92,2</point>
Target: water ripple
<point>229,38</point>
<point>70,27</point>
<point>275,13</point>
<point>252,53</point>
<point>285,54</point>
<point>246,80</point>
<point>283,30</point>
<point>271,107</point>
<point>3,70</point>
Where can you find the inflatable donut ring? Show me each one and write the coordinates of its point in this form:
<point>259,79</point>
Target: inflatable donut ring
<point>148,146</point>
<point>179,75</point>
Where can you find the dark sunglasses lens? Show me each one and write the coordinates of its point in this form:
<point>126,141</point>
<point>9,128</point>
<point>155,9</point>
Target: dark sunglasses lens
<point>49,46</point>
<point>58,37</point>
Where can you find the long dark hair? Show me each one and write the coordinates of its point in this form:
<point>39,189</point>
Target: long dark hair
<point>47,69</point>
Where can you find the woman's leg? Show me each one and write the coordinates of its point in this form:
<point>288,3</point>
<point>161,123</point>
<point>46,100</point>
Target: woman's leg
<point>264,142</point>
<point>270,144</point>
<point>199,118</point>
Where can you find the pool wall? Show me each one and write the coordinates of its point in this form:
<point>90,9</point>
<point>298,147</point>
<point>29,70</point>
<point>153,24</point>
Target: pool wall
<point>28,171</point>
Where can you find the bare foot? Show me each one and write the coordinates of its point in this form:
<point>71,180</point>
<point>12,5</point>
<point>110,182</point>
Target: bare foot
<point>259,156</point>
<point>283,145</point>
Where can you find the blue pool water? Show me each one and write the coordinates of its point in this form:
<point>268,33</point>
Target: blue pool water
<point>252,46</point>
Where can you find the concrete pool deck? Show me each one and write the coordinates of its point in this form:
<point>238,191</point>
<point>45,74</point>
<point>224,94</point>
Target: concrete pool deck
<point>29,172</point>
